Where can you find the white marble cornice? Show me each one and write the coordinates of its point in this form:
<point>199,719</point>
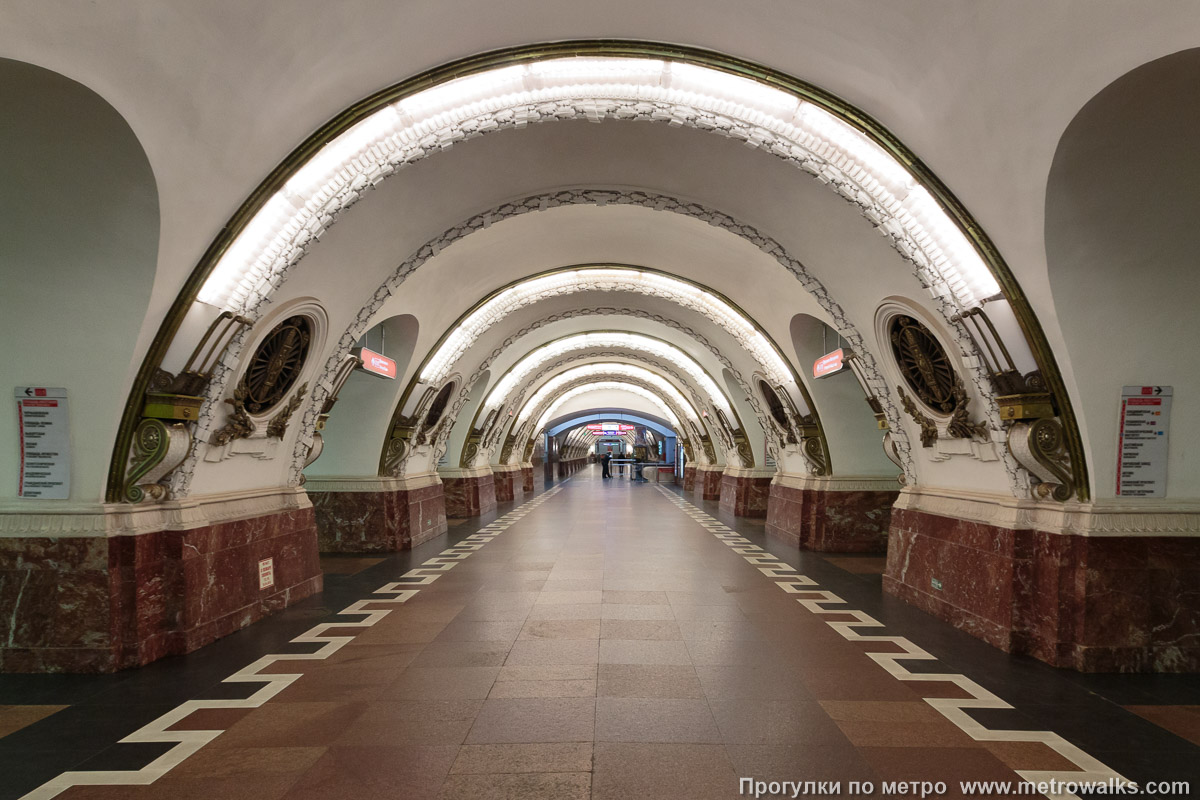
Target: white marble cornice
<point>1109,517</point>
<point>122,519</point>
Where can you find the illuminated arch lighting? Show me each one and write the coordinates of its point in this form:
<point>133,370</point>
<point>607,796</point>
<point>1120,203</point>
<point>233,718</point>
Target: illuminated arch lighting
<point>607,369</point>
<point>613,279</point>
<point>617,385</point>
<point>603,339</point>
<point>598,87</point>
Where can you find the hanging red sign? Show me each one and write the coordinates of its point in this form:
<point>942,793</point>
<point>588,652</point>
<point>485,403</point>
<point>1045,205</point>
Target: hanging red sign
<point>829,364</point>
<point>376,364</point>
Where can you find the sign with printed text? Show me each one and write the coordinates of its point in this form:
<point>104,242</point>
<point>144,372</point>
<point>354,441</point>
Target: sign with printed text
<point>266,573</point>
<point>1145,426</point>
<point>829,364</point>
<point>376,363</point>
<point>45,441</point>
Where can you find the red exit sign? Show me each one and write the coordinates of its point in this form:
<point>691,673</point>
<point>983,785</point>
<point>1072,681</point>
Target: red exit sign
<point>829,364</point>
<point>376,364</point>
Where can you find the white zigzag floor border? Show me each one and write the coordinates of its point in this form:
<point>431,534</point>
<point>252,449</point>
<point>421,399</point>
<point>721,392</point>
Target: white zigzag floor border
<point>188,743</point>
<point>954,709</point>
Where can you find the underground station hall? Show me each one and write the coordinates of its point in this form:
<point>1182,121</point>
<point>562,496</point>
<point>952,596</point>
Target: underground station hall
<point>656,399</point>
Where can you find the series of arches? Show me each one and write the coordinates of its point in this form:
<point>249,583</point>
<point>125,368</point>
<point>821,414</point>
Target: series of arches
<point>655,230</point>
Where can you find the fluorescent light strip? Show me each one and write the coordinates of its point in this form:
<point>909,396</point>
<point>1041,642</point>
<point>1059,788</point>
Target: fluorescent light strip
<point>585,341</point>
<point>435,118</point>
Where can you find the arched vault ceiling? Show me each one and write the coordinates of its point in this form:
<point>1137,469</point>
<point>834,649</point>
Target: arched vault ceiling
<point>793,216</point>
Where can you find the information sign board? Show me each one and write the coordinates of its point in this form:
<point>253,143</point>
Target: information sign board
<point>1142,441</point>
<point>45,442</point>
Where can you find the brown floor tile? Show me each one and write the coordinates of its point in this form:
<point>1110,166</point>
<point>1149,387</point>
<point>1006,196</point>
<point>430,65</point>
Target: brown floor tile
<point>775,722</point>
<point>530,786</point>
<point>635,598</point>
<point>515,689</point>
<point>750,682</point>
<point>552,652</point>
<point>632,651</point>
<point>625,719</point>
<point>463,630</point>
<point>462,654</point>
<point>563,719</point>
<point>648,680</point>
<point>789,762</point>
<point>661,630</point>
<point>14,718</point>
<point>243,787</point>
<point>291,725</point>
<point>637,611</point>
<point>662,772</point>
<point>448,683</point>
<point>1183,721</point>
<point>547,672</point>
<point>211,762</point>
<point>569,598</point>
<point>947,764</point>
<point>374,771</point>
<point>572,611</point>
<point>513,758</point>
<point>561,629</point>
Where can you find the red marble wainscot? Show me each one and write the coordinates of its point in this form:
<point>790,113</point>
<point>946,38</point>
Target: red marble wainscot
<point>98,604</point>
<point>745,495</point>
<point>510,486</point>
<point>469,495</point>
<point>708,483</point>
<point>1090,603</point>
<point>689,479</point>
<point>378,522</point>
<point>830,521</point>
<point>527,480</point>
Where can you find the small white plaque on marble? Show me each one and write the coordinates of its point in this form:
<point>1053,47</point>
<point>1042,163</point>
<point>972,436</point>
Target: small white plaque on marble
<point>266,573</point>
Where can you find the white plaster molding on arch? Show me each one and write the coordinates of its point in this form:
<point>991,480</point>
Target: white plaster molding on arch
<point>751,397</point>
<point>120,519</point>
<point>516,374</point>
<point>517,398</point>
<point>1099,518</point>
<point>980,390</point>
<point>258,446</point>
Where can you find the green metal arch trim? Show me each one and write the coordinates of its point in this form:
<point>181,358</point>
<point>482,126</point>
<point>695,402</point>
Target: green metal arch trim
<point>522,54</point>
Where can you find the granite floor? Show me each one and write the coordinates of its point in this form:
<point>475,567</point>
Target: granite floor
<point>616,641</point>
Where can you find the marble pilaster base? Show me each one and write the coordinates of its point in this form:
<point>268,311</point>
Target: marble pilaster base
<point>745,495</point>
<point>103,603</point>
<point>469,495</point>
<point>1090,603</point>
<point>841,521</point>
<point>689,479</point>
<point>527,480</point>
<point>509,484</point>
<point>708,483</point>
<point>394,518</point>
